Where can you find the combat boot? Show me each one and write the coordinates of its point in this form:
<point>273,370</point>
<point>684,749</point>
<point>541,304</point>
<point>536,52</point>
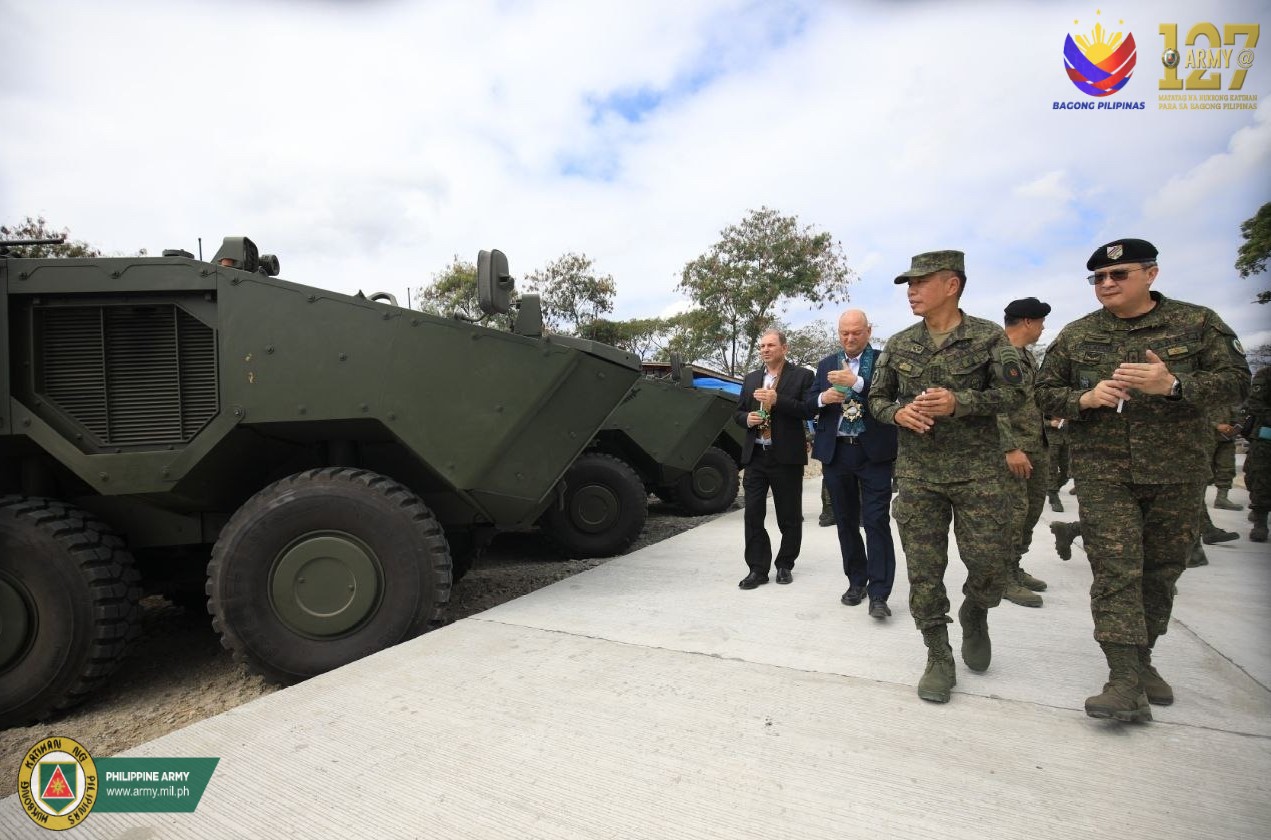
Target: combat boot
<point>1214,534</point>
<point>941,675</point>
<point>1017,593</point>
<point>827,511</point>
<point>1122,697</point>
<point>1056,504</point>
<point>1198,557</point>
<point>1259,531</point>
<point>977,648</point>
<point>1065,533</point>
<point>1154,686</point>
<point>1028,581</point>
<point>1221,502</point>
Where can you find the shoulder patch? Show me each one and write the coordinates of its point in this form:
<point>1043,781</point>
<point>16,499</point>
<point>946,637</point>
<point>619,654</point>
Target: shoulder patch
<point>1237,346</point>
<point>1011,372</point>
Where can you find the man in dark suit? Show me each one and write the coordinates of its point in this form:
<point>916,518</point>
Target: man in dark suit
<point>773,410</point>
<point>857,454</point>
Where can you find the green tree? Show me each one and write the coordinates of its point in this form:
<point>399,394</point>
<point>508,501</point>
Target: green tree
<point>453,290</point>
<point>810,344</point>
<point>1252,256</point>
<point>750,276</point>
<point>572,293</point>
<point>699,335</point>
<point>38,228</point>
<point>646,337</point>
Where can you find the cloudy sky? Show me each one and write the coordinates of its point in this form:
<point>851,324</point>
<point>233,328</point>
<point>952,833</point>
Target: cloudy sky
<point>368,142</point>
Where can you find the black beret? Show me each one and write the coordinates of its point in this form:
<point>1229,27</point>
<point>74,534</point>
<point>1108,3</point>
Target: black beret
<point>1122,251</point>
<point>1029,307</point>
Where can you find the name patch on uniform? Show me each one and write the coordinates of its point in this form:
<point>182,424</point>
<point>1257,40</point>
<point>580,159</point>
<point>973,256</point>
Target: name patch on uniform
<point>1176,351</point>
<point>904,366</point>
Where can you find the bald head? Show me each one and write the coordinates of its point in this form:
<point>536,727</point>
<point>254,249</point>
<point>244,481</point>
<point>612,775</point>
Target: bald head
<point>854,332</point>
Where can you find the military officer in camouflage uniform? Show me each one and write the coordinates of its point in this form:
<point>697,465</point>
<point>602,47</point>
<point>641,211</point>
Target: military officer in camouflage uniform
<point>1135,378</point>
<point>1257,429</point>
<point>1026,465</point>
<point>943,382</point>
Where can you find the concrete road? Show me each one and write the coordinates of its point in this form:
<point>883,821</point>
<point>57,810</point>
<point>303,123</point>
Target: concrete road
<point>651,698</point>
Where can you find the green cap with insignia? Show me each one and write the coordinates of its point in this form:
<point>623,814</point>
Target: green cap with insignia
<point>931,262</point>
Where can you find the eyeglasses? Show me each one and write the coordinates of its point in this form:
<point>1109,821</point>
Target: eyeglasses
<point>1116,275</point>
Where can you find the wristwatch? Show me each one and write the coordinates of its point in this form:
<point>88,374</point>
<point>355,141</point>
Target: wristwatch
<point>1176,390</point>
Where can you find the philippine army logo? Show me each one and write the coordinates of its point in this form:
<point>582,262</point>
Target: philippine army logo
<point>57,783</point>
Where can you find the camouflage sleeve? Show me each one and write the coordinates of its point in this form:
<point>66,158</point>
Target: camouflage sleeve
<point>883,387</point>
<point>1007,388</point>
<point>1054,392</point>
<point>1222,372</point>
<point>1006,434</point>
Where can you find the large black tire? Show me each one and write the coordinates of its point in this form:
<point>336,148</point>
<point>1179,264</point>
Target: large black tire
<point>712,485</point>
<point>68,606</point>
<point>323,568</point>
<point>601,510</point>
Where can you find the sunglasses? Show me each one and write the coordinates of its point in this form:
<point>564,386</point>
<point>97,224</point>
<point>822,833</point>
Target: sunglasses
<point>1116,275</point>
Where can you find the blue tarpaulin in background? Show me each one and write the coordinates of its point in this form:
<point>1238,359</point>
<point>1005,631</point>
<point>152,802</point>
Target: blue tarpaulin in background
<point>717,384</point>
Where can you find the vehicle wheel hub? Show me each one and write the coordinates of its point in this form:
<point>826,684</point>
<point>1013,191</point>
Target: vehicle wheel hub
<point>708,482</point>
<point>325,584</point>
<point>594,508</point>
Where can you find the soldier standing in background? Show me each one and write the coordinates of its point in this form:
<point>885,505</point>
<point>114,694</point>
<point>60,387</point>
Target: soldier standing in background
<point>1257,429</point>
<point>1221,450</point>
<point>943,382</point>
<point>1136,377</point>
<point>1057,437</point>
<point>1225,431</point>
<point>1026,467</point>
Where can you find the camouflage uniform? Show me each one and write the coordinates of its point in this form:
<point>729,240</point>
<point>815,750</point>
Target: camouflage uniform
<point>1258,460</point>
<point>1058,455</point>
<point>1023,428</point>
<point>1223,449</point>
<point>953,471</point>
<point>1138,471</point>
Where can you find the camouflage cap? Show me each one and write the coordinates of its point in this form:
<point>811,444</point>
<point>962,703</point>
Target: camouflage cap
<point>1122,251</point>
<point>931,262</point>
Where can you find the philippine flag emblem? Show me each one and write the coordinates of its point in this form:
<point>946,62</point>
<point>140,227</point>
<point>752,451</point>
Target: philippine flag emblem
<point>1101,63</point>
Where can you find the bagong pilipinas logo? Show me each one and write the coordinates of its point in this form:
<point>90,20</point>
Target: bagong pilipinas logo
<point>1101,63</point>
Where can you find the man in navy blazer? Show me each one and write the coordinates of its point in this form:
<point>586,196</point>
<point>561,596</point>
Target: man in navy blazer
<point>857,455</point>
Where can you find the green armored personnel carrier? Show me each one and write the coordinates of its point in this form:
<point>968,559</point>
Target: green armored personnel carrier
<point>676,437</point>
<point>323,464</point>
<point>659,440</point>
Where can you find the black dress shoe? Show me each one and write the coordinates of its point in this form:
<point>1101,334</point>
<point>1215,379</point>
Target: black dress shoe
<point>784,576</point>
<point>752,580</point>
<point>853,596</point>
<point>878,608</point>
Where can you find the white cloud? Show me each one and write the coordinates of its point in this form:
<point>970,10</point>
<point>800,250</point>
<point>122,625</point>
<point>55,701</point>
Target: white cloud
<point>368,143</point>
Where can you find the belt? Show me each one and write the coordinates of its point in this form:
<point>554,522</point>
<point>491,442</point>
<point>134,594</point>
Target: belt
<point>852,440</point>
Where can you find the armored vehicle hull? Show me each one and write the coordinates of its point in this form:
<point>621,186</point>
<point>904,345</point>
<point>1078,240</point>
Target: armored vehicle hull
<point>324,461</point>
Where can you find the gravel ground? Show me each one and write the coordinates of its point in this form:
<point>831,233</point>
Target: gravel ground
<point>178,673</point>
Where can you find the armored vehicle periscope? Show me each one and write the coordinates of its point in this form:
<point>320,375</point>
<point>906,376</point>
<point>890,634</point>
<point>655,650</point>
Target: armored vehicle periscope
<point>323,464</point>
